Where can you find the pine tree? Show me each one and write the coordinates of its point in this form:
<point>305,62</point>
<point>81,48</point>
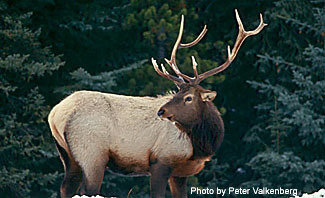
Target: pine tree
<point>158,22</point>
<point>289,136</point>
<point>25,147</point>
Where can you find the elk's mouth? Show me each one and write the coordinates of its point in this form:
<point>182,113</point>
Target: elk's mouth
<point>172,120</point>
<point>169,117</point>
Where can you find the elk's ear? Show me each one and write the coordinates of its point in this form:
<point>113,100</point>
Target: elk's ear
<point>208,95</point>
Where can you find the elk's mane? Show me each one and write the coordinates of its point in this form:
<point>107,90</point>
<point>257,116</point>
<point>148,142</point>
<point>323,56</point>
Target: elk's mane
<point>207,135</point>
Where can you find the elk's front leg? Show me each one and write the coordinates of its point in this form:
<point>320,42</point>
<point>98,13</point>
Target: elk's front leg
<point>159,179</point>
<point>178,187</point>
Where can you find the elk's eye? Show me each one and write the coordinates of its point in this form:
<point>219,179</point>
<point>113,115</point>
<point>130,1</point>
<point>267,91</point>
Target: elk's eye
<point>188,99</point>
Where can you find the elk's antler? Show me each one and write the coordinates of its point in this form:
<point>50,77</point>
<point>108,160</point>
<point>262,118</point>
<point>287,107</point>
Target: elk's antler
<point>242,35</point>
<point>172,61</point>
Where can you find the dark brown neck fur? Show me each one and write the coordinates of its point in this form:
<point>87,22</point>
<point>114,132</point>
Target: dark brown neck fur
<point>207,135</point>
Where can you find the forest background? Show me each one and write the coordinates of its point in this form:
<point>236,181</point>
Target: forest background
<point>271,97</point>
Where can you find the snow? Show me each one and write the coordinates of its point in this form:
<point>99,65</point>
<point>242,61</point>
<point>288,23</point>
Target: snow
<point>85,196</point>
<point>319,194</point>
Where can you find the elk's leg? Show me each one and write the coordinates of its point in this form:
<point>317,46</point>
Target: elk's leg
<point>159,179</point>
<point>93,174</point>
<point>73,174</point>
<point>178,187</point>
<point>71,181</point>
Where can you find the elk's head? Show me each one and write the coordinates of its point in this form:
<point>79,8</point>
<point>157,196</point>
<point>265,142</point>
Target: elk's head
<point>187,105</point>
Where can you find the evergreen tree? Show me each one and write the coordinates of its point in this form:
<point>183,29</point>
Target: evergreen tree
<point>158,23</point>
<point>25,148</point>
<point>289,137</point>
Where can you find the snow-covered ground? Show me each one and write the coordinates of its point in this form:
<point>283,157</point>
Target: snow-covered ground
<point>319,194</point>
<point>84,196</point>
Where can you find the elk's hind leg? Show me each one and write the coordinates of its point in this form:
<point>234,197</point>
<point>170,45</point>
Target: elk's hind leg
<point>93,174</point>
<point>178,187</point>
<point>73,174</point>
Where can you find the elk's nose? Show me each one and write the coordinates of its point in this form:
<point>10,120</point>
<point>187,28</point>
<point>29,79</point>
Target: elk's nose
<point>161,112</point>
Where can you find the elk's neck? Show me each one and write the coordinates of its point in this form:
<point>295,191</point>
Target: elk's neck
<point>207,134</point>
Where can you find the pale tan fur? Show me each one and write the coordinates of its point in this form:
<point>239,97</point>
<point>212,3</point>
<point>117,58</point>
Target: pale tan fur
<point>100,125</point>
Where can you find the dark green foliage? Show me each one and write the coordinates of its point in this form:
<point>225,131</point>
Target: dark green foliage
<point>107,46</point>
<point>291,119</point>
<point>104,81</point>
<point>291,172</point>
<point>25,147</point>
<point>159,21</point>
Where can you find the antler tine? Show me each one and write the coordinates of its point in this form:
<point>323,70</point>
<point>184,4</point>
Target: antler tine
<point>178,44</point>
<point>164,73</point>
<point>198,39</point>
<point>196,75</point>
<point>242,35</point>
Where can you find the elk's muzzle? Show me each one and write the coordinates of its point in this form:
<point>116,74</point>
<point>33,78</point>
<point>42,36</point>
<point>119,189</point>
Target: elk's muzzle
<point>163,113</point>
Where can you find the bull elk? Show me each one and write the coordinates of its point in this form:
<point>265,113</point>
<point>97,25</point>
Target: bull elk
<point>93,130</point>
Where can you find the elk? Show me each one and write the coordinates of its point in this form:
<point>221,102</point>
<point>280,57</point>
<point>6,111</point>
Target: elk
<point>93,130</point>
